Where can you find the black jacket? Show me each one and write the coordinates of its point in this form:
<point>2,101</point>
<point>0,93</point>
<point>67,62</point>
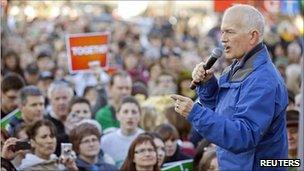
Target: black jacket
<point>177,156</point>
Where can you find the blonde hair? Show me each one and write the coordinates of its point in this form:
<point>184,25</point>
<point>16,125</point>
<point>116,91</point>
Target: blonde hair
<point>150,118</point>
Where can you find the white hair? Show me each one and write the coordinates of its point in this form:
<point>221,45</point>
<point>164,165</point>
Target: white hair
<point>57,85</point>
<point>251,18</point>
<point>92,122</point>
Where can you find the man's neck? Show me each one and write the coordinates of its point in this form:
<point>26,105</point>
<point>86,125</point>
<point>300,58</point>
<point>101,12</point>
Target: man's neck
<point>55,116</point>
<point>88,159</point>
<point>128,132</point>
<point>114,103</point>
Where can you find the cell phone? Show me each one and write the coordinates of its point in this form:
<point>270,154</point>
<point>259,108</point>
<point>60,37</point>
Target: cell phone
<point>66,149</point>
<point>22,145</point>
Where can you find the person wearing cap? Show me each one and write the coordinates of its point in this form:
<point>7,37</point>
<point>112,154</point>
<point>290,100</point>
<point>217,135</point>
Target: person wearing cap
<point>45,62</point>
<point>31,74</point>
<point>292,118</point>
<point>45,79</point>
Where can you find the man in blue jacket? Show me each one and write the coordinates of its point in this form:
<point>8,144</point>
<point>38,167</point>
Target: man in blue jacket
<point>243,112</point>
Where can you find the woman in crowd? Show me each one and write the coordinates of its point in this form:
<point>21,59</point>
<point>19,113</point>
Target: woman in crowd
<point>209,160</point>
<point>42,137</point>
<point>142,155</point>
<point>183,128</point>
<point>170,136</point>
<point>160,145</point>
<point>86,142</point>
<point>10,63</point>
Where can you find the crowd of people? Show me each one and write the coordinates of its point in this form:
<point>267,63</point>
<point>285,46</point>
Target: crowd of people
<point>121,120</point>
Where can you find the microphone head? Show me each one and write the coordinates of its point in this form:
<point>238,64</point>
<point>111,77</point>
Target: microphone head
<point>217,52</point>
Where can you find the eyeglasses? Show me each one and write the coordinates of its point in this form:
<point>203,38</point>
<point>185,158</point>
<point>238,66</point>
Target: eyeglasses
<point>142,151</point>
<point>87,141</point>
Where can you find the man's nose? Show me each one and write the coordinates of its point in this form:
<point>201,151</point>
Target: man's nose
<point>224,38</point>
<point>125,91</point>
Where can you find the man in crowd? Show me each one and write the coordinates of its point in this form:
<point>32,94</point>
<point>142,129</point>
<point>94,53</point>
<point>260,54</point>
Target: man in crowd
<point>292,117</point>
<point>10,86</point>
<point>244,112</point>
<point>31,106</point>
<point>120,86</point>
<point>59,95</point>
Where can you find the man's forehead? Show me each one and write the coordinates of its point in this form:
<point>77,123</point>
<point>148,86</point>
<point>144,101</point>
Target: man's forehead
<point>122,80</point>
<point>34,99</point>
<point>231,22</point>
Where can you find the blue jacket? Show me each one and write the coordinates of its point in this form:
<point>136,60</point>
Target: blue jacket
<point>244,113</point>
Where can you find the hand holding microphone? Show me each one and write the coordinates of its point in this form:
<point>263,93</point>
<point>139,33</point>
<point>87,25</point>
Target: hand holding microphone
<point>202,72</point>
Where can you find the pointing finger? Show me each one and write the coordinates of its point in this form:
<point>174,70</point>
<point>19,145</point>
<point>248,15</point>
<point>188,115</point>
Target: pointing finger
<point>177,97</point>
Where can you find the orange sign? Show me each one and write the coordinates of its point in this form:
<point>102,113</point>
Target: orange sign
<point>222,5</point>
<point>85,48</point>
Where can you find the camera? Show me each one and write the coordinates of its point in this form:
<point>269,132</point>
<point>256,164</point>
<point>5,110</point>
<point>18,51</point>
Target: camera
<point>66,150</point>
<point>21,145</point>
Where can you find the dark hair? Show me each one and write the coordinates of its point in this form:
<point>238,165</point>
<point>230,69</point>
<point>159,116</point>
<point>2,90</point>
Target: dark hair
<point>27,91</point>
<point>4,134</point>
<point>33,129</point>
<point>291,96</point>
<point>119,74</point>
<point>206,159</point>
<point>77,100</point>
<point>180,123</point>
<point>13,54</point>
<point>19,128</point>
<point>129,164</point>
<point>129,99</point>
<point>140,88</point>
<point>12,81</point>
<point>82,130</point>
<point>87,89</point>
<point>153,135</point>
<point>32,68</point>
<point>200,150</point>
<point>292,118</point>
<point>167,132</point>
<point>43,54</point>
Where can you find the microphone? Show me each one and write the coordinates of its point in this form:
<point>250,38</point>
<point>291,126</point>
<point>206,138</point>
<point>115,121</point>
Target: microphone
<point>215,54</point>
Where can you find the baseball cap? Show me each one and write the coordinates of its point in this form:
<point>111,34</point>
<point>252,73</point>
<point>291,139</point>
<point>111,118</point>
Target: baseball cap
<point>292,118</point>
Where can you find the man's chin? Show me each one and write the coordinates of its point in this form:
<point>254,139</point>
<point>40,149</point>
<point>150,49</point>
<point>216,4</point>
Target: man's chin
<point>228,56</point>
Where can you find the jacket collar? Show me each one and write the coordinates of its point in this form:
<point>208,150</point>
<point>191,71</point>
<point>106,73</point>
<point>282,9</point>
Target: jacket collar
<point>238,71</point>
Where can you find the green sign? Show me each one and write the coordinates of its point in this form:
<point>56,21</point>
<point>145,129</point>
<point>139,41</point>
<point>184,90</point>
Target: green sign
<point>183,165</point>
<point>5,121</point>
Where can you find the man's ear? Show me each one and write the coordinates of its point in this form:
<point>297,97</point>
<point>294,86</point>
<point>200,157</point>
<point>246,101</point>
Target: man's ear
<point>254,37</point>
